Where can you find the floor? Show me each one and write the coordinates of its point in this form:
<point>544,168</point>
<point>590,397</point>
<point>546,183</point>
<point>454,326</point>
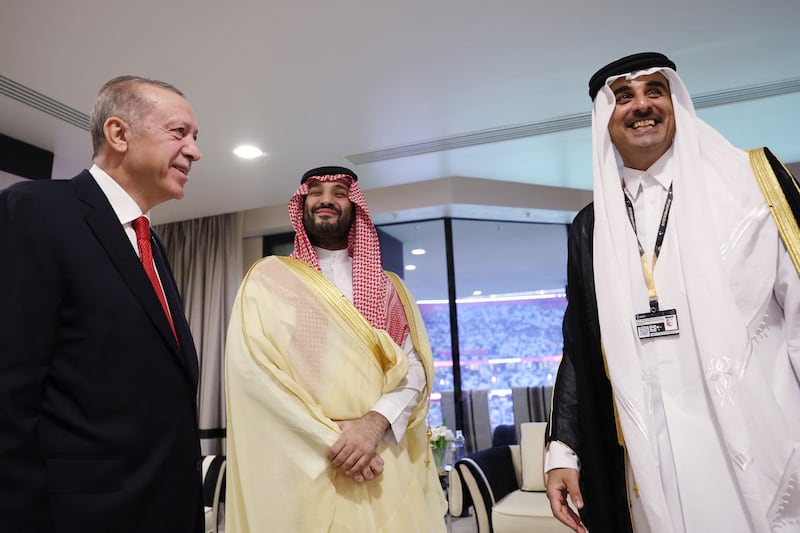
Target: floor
<point>464,525</point>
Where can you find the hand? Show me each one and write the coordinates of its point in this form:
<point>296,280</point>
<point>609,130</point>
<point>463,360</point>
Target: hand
<point>354,452</point>
<point>560,482</point>
<point>372,470</point>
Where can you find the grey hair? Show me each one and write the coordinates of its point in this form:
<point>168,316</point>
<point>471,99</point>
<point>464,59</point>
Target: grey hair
<point>121,97</point>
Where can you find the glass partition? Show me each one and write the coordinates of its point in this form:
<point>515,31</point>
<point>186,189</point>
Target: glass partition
<point>510,290</point>
<point>424,272</point>
<point>509,286</point>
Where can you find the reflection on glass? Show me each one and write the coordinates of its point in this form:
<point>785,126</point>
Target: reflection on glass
<point>428,282</point>
<point>509,342</point>
<point>510,280</point>
<point>510,333</point>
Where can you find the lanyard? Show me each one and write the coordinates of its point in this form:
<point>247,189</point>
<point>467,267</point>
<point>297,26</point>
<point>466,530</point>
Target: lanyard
<point>647,268</point>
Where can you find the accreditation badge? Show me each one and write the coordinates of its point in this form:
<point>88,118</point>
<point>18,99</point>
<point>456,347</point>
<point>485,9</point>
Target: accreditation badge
<point>657,324</point>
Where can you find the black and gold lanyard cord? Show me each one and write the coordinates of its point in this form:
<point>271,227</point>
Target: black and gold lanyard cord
<point>647,268</point>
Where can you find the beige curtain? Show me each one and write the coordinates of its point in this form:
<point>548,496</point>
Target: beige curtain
<point>206,258</point>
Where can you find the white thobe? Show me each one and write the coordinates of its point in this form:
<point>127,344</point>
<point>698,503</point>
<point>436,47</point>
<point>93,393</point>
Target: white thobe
<point>696,478</point>
<point>729,389</point>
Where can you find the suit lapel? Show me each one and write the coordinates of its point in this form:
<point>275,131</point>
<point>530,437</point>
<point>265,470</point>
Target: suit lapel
<point>105,225</point>
<point>175,305</point>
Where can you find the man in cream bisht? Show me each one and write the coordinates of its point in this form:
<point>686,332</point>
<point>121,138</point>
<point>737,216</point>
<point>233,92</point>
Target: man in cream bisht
<point>328,372</point>
<point>685,418</point>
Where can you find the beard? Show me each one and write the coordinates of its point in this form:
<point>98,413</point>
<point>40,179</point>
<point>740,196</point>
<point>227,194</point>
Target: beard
<point>328,234</point>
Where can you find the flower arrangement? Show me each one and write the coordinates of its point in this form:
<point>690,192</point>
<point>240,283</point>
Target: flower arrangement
<point>440,436</point>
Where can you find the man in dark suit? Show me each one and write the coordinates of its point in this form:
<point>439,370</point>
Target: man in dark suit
<point>98,369</point>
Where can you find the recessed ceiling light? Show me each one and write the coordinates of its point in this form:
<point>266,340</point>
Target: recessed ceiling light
<point>247,151</point>
<point>418,251</point>
<point>477,293</point>
<point>411,267</point>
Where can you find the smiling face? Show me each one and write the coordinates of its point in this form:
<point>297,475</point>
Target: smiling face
<point>328,214</point>
<point>642,125</point>
<point>161,147</point>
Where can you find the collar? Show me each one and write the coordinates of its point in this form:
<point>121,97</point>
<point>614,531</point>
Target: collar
<point>332,256</point>
<point>121,202</point>
<point>659,172</point>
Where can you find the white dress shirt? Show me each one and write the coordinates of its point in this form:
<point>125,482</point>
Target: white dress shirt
<point>126,209</point>
<point>123,205</point>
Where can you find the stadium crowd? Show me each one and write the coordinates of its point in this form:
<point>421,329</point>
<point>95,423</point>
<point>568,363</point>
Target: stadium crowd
<point>503,343</point>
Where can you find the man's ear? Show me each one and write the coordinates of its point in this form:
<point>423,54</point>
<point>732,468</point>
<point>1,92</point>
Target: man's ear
<point>117,133</point>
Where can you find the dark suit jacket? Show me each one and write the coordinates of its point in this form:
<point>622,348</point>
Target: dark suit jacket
<point>98,421</point>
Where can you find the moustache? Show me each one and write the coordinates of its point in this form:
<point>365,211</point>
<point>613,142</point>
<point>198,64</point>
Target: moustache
<point>331,207</point>
<point>641,115</point>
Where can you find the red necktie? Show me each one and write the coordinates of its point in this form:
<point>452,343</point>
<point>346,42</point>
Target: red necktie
<point>142,228</point>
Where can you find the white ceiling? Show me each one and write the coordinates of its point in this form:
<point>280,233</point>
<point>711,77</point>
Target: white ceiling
<point>315,82</point>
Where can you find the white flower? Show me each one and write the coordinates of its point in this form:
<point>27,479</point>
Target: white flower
<point>440,436</point>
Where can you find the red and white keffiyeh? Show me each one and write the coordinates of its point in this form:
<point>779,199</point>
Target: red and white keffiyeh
<point>373,294</point>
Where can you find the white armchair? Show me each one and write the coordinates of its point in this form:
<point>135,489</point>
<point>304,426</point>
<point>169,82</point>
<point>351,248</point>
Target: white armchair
<point>505,486</point>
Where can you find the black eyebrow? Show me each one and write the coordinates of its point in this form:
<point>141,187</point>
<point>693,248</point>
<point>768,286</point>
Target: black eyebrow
<point>648,83</point>
<point>657,83</point>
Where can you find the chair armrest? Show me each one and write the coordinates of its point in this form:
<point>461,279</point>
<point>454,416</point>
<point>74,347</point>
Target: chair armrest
<point>213,474</point>
<point>458,498</point>
<point>488,476</point>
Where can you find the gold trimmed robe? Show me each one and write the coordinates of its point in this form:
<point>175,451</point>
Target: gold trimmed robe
<point>299,355</point>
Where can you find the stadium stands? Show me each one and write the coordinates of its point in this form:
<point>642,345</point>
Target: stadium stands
<point>504,343</point>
